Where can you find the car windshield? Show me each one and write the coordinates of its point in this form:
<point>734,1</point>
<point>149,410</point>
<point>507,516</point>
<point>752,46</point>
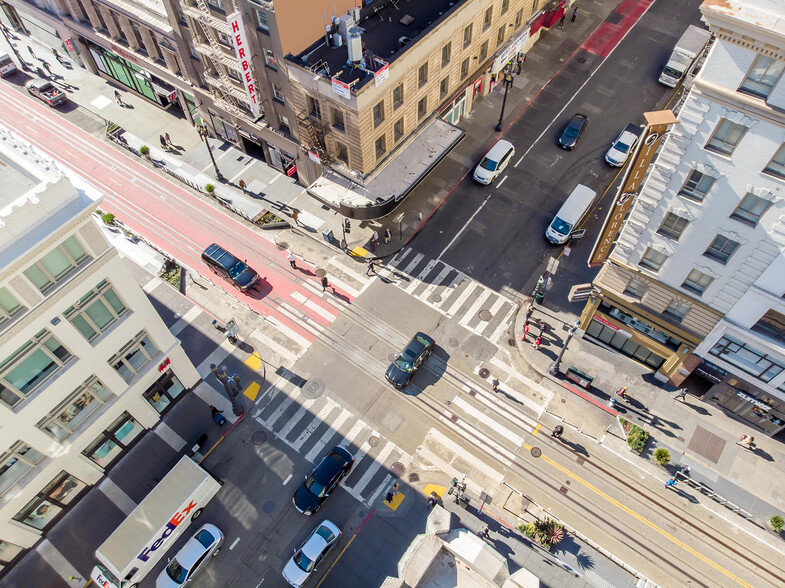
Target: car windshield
<point>325,533</point>
<point>404,364</point>
<point>561,226</point>
<point>669,71</point>
<point>176,572</point>
<point>623,147</point>
<point>205,538</point>
<point>488,164</point>
<point>303,562</point>
<point>237,269</point>
<point>572,130</point>
<point>314,486</point>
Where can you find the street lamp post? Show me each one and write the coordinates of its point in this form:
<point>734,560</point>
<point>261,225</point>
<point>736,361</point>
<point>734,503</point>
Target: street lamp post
<point>507,83</point>
<point>218,175</point>
<point>554,369</point>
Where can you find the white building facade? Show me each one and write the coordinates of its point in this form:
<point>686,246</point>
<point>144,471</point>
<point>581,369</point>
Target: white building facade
<point>86,363</point>
<point>702,248</point>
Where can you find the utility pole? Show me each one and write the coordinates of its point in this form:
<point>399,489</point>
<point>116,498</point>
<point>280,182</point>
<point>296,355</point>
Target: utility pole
<point>554,369</point>
<point>507,83</point>
<point>203,132</point>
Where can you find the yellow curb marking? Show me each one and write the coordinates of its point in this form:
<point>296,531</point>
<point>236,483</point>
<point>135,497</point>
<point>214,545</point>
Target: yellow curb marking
<point>252,390</point>
<point>359,252</point>
<point>536,429</point>
<point>438,490</point>
<point>254,362</point>
<point>396,501</point>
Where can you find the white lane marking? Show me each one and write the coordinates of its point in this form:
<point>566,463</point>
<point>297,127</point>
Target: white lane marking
<point>477,463</point>
<point>296,418</point>
<point>472,311</point>
<point>306,433</point>
<point>468,222</point>
<point>462,298</point>
<point>374,467</point>
<point>499,185</point>
<point>480,416</point>
<point>286,481</point>
<point>274,346</point>
<point>308,303</point>
<point>234,543</point>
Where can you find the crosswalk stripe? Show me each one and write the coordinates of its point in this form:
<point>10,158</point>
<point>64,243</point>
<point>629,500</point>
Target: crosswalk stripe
<point>352,435</point>
<point>417,280</point>
<point>453,447</point>
<point>308,303</point>
<point>276,347</point>
<point>437,281</point>
<point>502,453</point>
<point>328,407</point>
<point>474,308</point>
<point>329,434</point>
<point>441,290</point>
<point>510,410</point>
<point>461,299</point>
<point>374,467</point>
<point>296,418</point>
<point>487,420</point>
<point>341,285</point>
<point>448,469</point>
<point>185,320</point>
<point>379,489</point>
<point>289,332</point>
<point>417,258</point>
<point>270,421</point>
<point>504,324</point>
<point>399,257</point>
<point>361,453</point>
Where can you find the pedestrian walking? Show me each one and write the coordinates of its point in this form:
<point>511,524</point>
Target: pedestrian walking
<point>30,49</point>
<point>433,500</point>
<point>685,471</point>
<point>375,237</point>
<point>241,183</point>
<point>519,66</point>
<point>325,283</point>
<point>543,326</point>
<point>557,431</point>
<point>682,394</point>
<point>296,217</point>
<point>163,142</point>
<point>291,258</point>
<point>561,22</point>
<point>612,402</point>
<point>623,392</point>
<point>574,15</point>
<point>370,269</point>
<point>672,481</point>
<point>537,342</point>
<point>394,489</point>
<point>118,98</point>
<point>525,330</point>
<point>485,533</point>
<point>749,442</point>
<point>387,235</point>
<point>217,416</point>
<point>495,385</point>
<point>168,140</point>
<point>47,67</point>
<point>529,311</point>
<point>56,54</point>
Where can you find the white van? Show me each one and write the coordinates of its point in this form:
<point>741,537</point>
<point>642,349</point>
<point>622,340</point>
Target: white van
<point>6,65</point>
<point>570,214</point>
<point>494,162</point>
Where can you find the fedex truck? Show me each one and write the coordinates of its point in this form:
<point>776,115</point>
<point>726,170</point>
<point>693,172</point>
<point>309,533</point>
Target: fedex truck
<point>140,541</point>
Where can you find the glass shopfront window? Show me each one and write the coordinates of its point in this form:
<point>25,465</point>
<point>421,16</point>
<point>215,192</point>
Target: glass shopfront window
<point>759,364</point>
<point>622,341</point>
<point>8,552</point>
<point>110,444</point>
<point>751,405</point>
<point>164,392</point>
<point>55,498</point>
<point>642,327</point>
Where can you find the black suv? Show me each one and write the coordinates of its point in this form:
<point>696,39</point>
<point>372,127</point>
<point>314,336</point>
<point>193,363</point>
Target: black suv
<point>227,265</point>
<point>323,479</point>
<point>403,366</point>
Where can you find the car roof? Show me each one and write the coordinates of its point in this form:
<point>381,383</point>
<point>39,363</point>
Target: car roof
<point>193,549</point>
<point>498,149</point>
<point>331,464</point>
<point>221,256</point>
<point>316,544</point>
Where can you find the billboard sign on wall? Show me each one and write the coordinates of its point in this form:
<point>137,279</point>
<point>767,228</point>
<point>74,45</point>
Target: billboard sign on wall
<point>243,52</point>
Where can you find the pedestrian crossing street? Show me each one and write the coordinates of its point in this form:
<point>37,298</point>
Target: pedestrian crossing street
<point>451,292</point>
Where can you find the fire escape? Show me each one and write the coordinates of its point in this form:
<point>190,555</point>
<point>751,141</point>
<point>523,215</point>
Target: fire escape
<point>313,122</point>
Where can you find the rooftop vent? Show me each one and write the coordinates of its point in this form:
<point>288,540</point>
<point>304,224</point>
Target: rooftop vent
<point>404,41</point>
<point>406,20</point>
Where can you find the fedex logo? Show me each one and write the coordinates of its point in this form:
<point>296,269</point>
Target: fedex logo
<point>173,523</point>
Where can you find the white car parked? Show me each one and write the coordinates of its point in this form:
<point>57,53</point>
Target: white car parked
<point>623,145</point>
<point>311,552</point>
<point>192,558</point>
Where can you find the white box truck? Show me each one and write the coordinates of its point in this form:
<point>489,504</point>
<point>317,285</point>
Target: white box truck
<point>140,541</point>
<point>685,54</point>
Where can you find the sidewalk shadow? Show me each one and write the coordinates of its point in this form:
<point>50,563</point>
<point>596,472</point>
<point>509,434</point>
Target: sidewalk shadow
<point>762,453</point>
<point>697,408</point>
<point>576,447</point>
<point>686,495</point>
<point>568,546</point>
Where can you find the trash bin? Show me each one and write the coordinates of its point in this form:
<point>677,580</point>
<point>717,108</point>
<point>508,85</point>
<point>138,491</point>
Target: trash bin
<point>328,235</point>
<point>580,377</point>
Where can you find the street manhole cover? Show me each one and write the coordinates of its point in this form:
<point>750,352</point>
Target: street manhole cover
<point>391,357</point>
<point>484,314</point>
<point>536,452</point>
<point>511,342</point>
<point>259,437</point>
<point>454,342</point>
<point>437,298</point>
<point>484,373</point>
<point>268,506</point>
<point>563,489</point>
<point>564,400</point>
<point>398,469</point>
<point>373,441</point>
<point>413,477</point>
<point>313,389</point>
<point>472,392</point>
<point>282,245</point>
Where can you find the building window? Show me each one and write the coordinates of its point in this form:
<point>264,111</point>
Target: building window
<point>96,311</point>
<point>217,4</point>
<point>422,75</point>
<point>749,359</point>
<point>465,68</point>
<point>56,265</point>
<point>30,366</point>
<point>278,93</point>
<point>422,108</point>
<point>314,108</point>
<point>763,76</point>
<point>444,87</point>
<point>119,26</point>
<point>776,166</point>
<point>284,123</point>
<point>751,209</point>
<point>381,146</point>
<point>721,249</point>
<point>164,392</point>
<point>652,259</point>
<point>505,6</point>
<point>726,137</point>
<point>636,288</point>
<point>338,120</point>
<point>8,553</point>
<point>398,130</point>
<point>486,21</point>
<point>673,226</point>
<point>677,310</point>
<point>226,40</point>
<point>110,444</point>
<point>134,356</point>
<point>446,50</point>
<point>269,59</point>
<point>73,412</point>
<point>771,325</point>
<point>16,463</point>
<point>378,114</point>
<point>697,281</point>
<point>398,96</point>
<point>483,51</point>
<point>9,306</point>
<point>51,501</point>
<point>500,36</point>
<point>467,36</point>
<point>341,153</point>
<point>261,20</point>
<point>697,186</point>
<point>519,17</point>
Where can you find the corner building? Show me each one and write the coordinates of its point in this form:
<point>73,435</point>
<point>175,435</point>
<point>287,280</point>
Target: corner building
<point>694,286</point>
<point>86,364</point>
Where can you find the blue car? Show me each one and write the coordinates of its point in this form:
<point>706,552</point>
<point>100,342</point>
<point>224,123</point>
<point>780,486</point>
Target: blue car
<point>323,480</point>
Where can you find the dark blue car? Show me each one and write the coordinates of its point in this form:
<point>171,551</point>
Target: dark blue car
<point>322,480</point>
<point>569,138</point>
<point>227,265</point>
<point>404,365</point>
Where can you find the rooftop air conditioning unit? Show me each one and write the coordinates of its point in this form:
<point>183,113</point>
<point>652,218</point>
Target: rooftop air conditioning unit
<point>355,46</point>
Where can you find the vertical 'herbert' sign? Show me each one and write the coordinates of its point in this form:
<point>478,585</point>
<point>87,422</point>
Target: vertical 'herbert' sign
<point>657,125</point>
<point>235,21</point>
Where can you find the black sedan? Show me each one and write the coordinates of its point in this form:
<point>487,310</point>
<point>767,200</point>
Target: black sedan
<point>322,480</point>
<point>569,138</point>
<point>227,265</point>
<point>401,369</point>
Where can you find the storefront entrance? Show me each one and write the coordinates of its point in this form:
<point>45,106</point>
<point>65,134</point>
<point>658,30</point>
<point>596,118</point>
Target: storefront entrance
<point>163,394</point>
<point>622,341</point>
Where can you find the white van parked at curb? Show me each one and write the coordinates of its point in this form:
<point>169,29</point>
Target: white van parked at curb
<point>571,213</point>
<point>493,163</point>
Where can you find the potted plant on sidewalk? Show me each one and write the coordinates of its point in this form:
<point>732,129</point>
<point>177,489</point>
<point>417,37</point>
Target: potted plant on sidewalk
<point>549,533</point>
<point>209,188</point>
<point>662,456</point>
<point>776,523</point>
<point>145,150</point>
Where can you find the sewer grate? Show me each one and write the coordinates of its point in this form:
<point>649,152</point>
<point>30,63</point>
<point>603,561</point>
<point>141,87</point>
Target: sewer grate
<point>454,342</point>
<point>485,314</point>
<point>398,469</point>
<point>437,298</point>
<point>282,245</point>
<point>258,437</point>
<point>563,489</point>
<point>414,477</point>
<point>511,342</point>
<point>313,389</point>
<point>472,392</point>
<point>373,441</point>
<point>484,373</point>
<point>536,452</point>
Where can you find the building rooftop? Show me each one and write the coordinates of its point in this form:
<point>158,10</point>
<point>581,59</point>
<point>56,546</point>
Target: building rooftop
<point>387,32</point>
<point>765,14</point>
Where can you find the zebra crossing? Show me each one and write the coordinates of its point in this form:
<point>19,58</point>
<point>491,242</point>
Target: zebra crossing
<point>452,293</point>
<point>313,426</point>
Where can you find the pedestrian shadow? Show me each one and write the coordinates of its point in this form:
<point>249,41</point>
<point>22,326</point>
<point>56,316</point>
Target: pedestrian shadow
<point>697,408</point>
<point>575,447</point>
<point>762,453</point>
<point>686,495</point>
<point>509,397</point>
<point>340,295</point>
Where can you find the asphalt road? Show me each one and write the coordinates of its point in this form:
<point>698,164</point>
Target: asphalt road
<point>503,244</point>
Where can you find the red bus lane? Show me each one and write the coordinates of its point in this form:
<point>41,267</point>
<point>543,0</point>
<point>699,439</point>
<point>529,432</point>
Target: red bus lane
<point>174,220</point>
